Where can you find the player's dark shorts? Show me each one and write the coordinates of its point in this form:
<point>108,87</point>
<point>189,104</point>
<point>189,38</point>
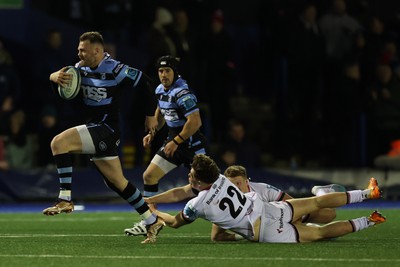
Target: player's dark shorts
<point>186,151</point>
<point>105,139</point>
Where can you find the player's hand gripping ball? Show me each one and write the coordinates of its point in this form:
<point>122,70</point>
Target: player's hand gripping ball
<point>72,89</point>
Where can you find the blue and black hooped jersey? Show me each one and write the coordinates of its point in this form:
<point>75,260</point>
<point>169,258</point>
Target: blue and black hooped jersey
<point>176,103</point>
<point>101,89</point>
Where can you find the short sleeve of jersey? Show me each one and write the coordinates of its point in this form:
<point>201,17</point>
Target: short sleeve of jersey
<point>267,192</point>
<point>187,101</point>
<point>133,74</point>
<point>189,212</point>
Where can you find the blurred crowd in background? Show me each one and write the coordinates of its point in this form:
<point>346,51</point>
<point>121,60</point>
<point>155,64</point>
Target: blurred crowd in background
<point>279,83</point>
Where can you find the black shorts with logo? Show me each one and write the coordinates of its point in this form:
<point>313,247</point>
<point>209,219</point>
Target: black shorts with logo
<point>106,140</point>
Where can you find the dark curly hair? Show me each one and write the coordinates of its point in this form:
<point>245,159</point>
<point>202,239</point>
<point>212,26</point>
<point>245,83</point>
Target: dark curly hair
<point>206,170</point>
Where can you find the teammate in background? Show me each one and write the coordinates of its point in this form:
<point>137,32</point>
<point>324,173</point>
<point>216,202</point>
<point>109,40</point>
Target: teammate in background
<point>103,79</point>
<point>177,108</point>
<point>238,175</point>
<point>221,202</point>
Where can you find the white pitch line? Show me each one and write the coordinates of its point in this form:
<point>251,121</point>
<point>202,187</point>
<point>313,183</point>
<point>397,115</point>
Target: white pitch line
<point>203,258</point>
<point>50,219</point>
<point>91,235</point>
<point>56,235</point>
<point>174,235</point>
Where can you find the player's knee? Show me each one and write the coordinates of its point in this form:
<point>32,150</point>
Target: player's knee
<point>326,215</point>
<point>55,144</point>
<point>150,178</point>
<point>330,214</point>
<point>319,202</point>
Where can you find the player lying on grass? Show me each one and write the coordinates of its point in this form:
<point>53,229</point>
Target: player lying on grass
<point>238,175</point>
<point>221,202</point>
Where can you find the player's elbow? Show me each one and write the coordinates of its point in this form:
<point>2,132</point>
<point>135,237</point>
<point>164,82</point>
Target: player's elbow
<point>215,238</point>
<point>194,120</point>
<point>195,125</point>
<point>218,237</point>
<point>199,123</point>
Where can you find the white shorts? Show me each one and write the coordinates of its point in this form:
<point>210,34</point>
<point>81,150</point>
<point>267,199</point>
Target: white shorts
<point>276,223</point>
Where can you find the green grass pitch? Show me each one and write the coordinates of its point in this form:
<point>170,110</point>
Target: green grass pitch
<point>97,239</point>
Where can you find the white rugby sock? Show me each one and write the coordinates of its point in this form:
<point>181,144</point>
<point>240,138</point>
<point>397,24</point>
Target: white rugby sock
<point>356,196</point>
<point>65,195</point>
<point>361,223</point>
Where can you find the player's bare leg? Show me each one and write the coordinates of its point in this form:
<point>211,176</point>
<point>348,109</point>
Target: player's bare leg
<point>61,146</point>
<point>338,228</point>
<point>302,206</point>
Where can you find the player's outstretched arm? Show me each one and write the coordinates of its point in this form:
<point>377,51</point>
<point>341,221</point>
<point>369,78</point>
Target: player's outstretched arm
<point>172,221</point>
<point>173,195</point>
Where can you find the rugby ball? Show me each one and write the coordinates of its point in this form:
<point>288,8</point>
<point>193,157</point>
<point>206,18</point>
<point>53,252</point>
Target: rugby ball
<point>72,89</point>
